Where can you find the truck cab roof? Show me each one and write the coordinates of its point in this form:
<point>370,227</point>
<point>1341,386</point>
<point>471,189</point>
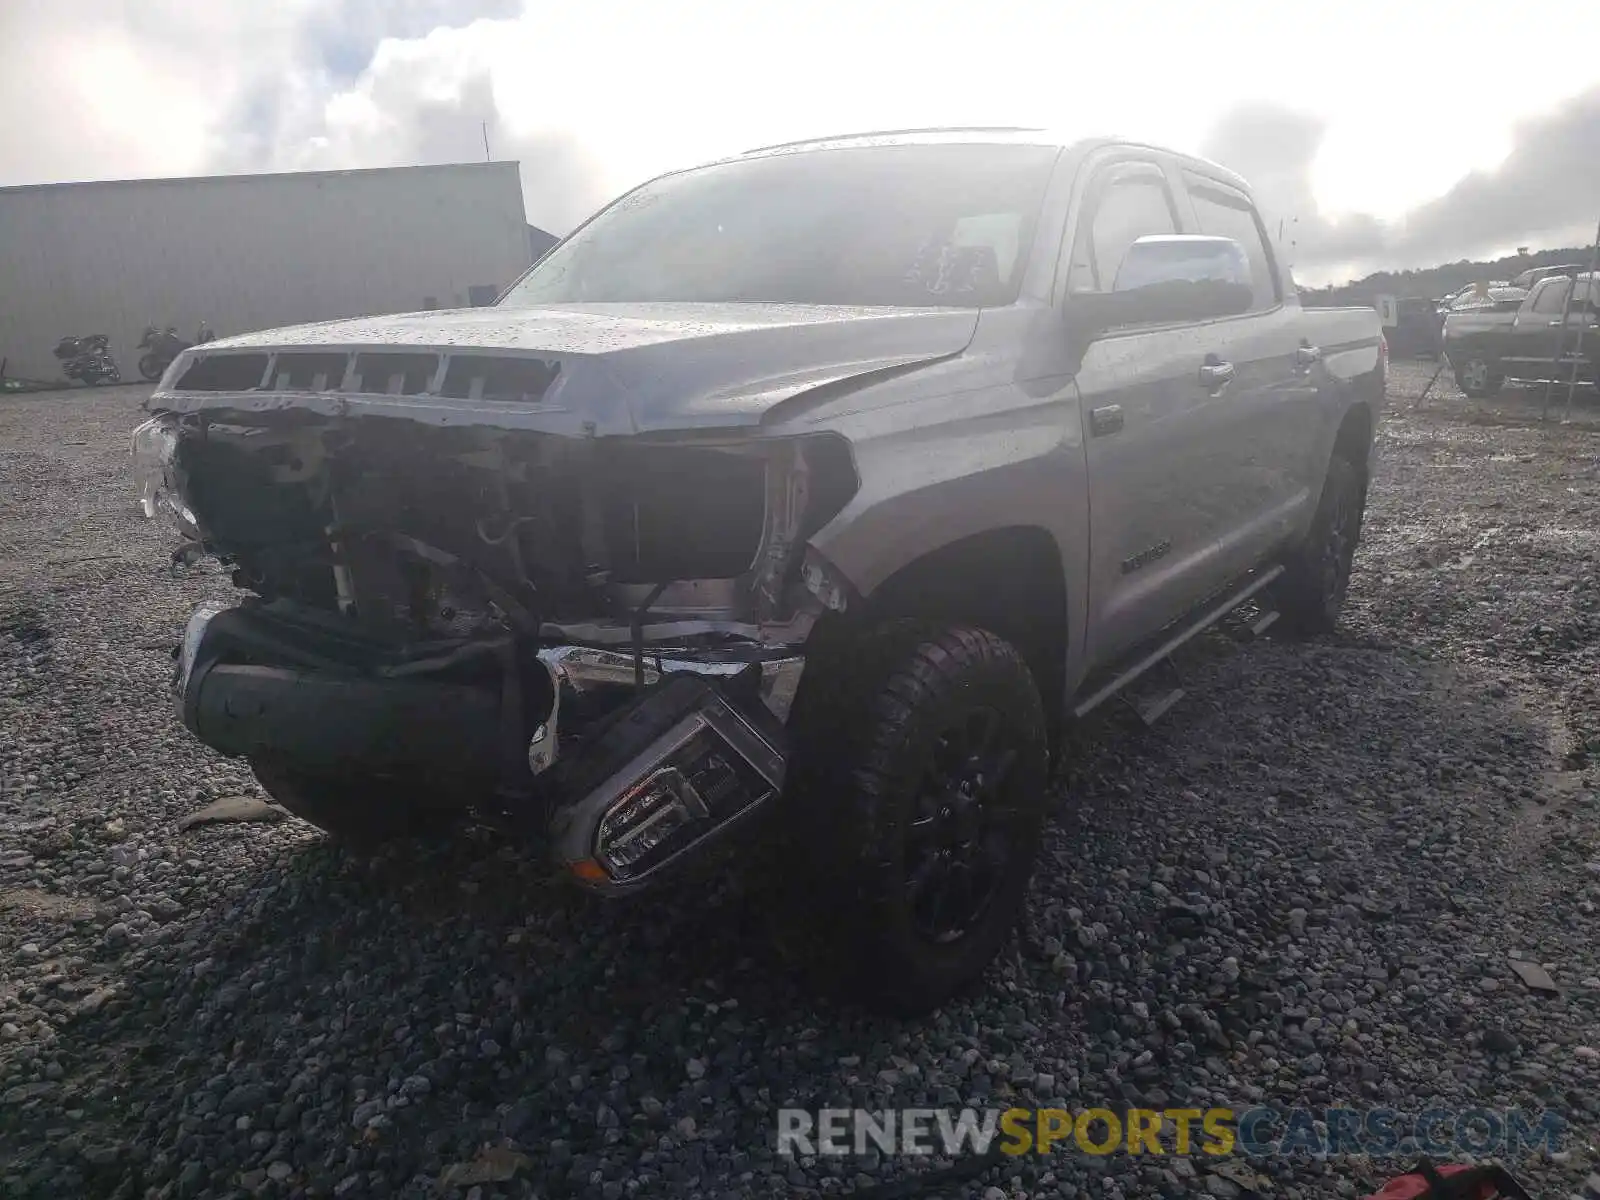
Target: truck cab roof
<point>1534,274</point>
<point>994,135</point>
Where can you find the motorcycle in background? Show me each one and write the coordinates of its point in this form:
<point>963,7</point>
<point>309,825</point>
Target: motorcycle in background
<point>88,359</point>
<point>164,346</point>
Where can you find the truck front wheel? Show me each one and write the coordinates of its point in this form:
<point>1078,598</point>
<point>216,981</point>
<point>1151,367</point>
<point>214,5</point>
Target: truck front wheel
<point>361,812</point>
<point>919,784</point>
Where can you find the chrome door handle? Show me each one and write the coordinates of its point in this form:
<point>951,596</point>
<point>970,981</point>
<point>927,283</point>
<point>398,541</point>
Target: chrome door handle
<point>1214,373</point>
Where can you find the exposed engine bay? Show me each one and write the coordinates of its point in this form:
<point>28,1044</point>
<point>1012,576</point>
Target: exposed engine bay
<point>425,533</point>
<point>603,633</point>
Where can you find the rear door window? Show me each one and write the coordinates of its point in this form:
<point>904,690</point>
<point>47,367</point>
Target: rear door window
<point>1552,297</point>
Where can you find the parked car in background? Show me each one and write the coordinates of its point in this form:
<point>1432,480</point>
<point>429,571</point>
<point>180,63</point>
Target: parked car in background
<point>1416,332</point>
<point>1512,334</point>
<point>803,496</point>
<point>1445,303</point>
<point>1494,297</point>
<point>1533,275</point>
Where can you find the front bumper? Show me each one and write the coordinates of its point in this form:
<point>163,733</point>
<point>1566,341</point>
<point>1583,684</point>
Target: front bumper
<point>632,769</point>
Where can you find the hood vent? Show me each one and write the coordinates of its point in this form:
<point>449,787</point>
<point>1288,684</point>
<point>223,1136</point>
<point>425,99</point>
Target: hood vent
<point>496,379</point>
<point>224,373</point>
<point>316,372</point>
<point>394,374</point>
<point>499,380</point>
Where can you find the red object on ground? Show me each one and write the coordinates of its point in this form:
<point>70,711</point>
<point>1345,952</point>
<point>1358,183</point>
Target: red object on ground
<point>1414,1187</point>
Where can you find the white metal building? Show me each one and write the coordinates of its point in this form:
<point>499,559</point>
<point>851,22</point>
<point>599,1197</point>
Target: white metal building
<point>245,252</point>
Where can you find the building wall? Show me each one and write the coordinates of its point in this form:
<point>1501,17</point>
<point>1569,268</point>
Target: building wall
<point>248,252</point>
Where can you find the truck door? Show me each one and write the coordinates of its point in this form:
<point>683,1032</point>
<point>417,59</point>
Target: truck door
<point>1583,327</point>
<point>1530,345</point>
<point>1542,351</point>
<point>1160,468</point>
<point>1268,418</point>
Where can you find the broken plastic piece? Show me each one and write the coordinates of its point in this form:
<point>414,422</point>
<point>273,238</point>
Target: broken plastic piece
<point>492,1164</point>
<point>823,582</point>
<point>232,809</point>
<point>1535,976</point>
<point>545,743</point>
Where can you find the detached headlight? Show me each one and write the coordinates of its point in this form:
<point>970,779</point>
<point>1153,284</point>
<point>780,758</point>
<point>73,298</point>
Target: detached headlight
<point>701,779</point>
<point>652,819</point>
<point>683,764</point>
<point>155,451</point>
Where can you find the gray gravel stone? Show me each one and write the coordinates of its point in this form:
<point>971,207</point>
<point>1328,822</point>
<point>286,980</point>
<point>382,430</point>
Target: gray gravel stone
<point>1500,1041</point>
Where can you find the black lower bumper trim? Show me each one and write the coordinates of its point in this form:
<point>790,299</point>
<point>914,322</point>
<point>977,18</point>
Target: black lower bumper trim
<point>326,722</point>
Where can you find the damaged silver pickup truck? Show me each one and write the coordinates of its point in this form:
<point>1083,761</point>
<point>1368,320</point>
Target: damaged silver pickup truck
<point>804,495</point>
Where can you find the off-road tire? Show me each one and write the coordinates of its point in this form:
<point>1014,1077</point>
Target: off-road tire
<point>1311,592</point>
<point>872,721</point>
<point>150,367</point>
<point>360,812</point>
<point>1476,377</point>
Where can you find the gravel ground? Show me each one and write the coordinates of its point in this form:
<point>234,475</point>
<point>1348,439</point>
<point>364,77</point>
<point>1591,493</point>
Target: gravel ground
<point>1363,830</point>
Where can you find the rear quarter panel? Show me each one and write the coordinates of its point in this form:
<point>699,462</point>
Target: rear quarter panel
<point>1350,372</point>
<point>1349,341</point>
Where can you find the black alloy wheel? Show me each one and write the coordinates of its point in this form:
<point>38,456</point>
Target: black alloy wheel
<point>961,840</point>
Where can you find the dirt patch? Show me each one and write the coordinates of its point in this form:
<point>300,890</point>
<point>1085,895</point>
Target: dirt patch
<point>31,902</point>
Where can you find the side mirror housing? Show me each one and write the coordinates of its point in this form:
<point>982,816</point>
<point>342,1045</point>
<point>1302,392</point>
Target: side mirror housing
<point>1171,278</point>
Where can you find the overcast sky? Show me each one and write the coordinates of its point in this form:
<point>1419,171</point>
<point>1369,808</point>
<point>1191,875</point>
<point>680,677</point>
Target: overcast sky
<point>1392,134</point>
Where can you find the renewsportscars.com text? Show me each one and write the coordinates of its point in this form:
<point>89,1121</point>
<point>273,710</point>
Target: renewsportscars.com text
<point>1215,1132</point>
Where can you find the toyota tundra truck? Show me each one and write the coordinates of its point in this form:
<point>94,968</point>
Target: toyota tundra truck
<point>792,503</point>
<point>1546,335</point>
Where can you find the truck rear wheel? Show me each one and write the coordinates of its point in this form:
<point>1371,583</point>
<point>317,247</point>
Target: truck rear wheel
<point>1311,592</point>
<point>361,812</point>
<point>1477,378</point>
<point>918,784</point>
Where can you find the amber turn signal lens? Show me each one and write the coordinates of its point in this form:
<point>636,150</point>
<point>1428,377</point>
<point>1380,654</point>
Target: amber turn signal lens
<point>588,870</point>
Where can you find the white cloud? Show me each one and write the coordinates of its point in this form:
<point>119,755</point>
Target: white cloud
<point>595,97</point>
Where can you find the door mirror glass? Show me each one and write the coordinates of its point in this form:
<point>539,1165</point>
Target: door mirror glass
<point>1173,277</point>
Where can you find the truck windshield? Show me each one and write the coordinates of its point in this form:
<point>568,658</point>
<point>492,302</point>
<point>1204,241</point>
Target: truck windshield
<point>902,226</point>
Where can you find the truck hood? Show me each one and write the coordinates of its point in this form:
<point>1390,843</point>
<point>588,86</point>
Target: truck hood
<point>599,369</point>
